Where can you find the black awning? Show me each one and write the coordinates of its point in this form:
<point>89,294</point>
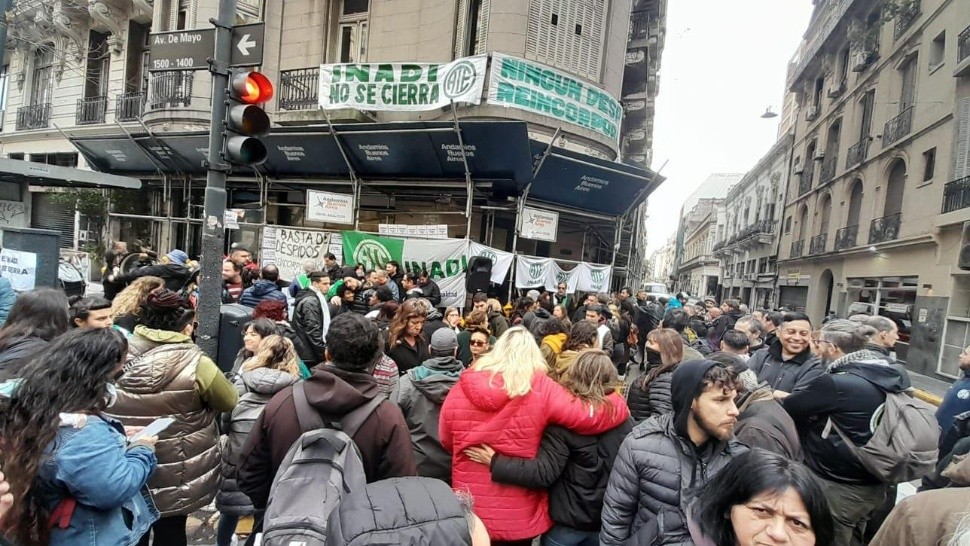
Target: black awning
<point>42,174</point>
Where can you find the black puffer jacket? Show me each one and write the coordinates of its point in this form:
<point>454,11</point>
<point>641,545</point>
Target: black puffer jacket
<point>574,468</point>
<point>654,400</point>
<point>415,511</point>
<point>175,275</point>
<point>785,375</point>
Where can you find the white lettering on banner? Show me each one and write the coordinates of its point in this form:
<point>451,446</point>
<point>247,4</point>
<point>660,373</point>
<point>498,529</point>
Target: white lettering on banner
<point>292,153</point>
<point>454,155</point>
<point>587,183</point>
<point>20,268</point>
<point>375,152</point>
<point>288,248</point>
<point>334,208</point>
<point>402,86</point>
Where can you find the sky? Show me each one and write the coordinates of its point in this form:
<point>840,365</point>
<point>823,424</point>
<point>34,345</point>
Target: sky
<point>723,63</point>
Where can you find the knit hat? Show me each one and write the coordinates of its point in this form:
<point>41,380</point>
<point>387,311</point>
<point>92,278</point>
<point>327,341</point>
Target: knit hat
<point>444,340</point>
<point>178,257</point>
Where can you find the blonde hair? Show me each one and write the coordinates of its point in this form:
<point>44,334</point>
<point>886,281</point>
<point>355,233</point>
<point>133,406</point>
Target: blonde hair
<point>591,378</point>
<point>276,352</point>
<point>129,300</point>
<point>517,357</point>
<point>494,305</point>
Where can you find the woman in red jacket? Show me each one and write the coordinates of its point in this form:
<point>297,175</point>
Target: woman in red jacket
<point>506,401</point>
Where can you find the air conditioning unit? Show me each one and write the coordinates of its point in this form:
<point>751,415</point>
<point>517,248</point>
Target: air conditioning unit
<point>812,113</point>
<point>860,59</point>
<point>837,89</point>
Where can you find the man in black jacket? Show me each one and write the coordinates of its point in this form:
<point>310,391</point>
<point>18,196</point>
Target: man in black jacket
<point>788,364</point>
<point>311,317</point>
<point>172,270</point>
<point>885,338</point>
<point>430,288</point>
<point>730,313</point>
<point>668,454</point>
<point>846,396</point>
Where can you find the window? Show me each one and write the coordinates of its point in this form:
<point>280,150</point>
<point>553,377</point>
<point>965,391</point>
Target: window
<point>891,297</point>
<point>574,43</point>
<point>938,50</point>
<point>555,20</point>
<point>787,225</point>
<point>907,96</point>
<point>4,81</point>
<point>844,66</point>
<point>41,83</point>
<point>98,66</point>
<point>182,17</point>
<point>472,28</point>
<point>353,31</point>
<point>868,102</point>
<point>16,155</point>
<point>929,164</point>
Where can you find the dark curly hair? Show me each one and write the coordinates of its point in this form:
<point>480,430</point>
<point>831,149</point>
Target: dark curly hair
<point>69,377</point>
<point>166,310</point>
<point>39,313</point>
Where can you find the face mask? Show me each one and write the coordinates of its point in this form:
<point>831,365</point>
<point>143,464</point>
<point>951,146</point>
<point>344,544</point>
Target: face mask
<point>112,396</point>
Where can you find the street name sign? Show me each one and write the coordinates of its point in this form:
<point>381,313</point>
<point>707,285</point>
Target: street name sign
<point>192,49</point>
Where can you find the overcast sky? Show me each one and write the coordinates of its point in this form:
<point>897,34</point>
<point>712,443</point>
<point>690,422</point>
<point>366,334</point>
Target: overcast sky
<point>723,64</point>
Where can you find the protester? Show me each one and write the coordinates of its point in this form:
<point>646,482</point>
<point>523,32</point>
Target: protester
<point>7,298</point>
<point>760,498</point>
<point>553,336</point>
<point>754,329</point>
<point>498,323</point>
<point>232,282</point>
<point>788,363</point>
<point>522,307</point>
<point>406,344</point>
<point>254,332</point>
<point>171,269</point>
<point>434,321</point>
<point>770,321</point>
<point>267,287</point>
<point>669,454</point>
<point>378,300</point>
<point>574,468</point>
<point>91,312</point>
<point>346,383</point>
<point>650,394</point>
<point>582,336</point>
<point>479,343</point>
<point>736,343</point>
<point>762,421</point>
<point>381,278</point>
<point>506,400</point>
<point>167,375</point>
<point>476,319</point>
<point>421,393</point>
<point>429,288</point>
<point>730,309</point>
<point>452,319</point>
<point>36,318</point>
<point>277,312</point>
<point>847,395</point>
<point>561,298</point>
<point>113,258</point>
<point>560,312</point>
<point>127,305</point>
<point>885,338</point>
<point>75,478</point>
<point>600,315</point>
<point>273,367</point>
<point>957,397</point>
<point>678,320</point>
<point>580,313</point>
<point>311,318</point>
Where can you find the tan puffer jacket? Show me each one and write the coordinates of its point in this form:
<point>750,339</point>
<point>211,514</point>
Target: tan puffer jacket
<point>160,381</point>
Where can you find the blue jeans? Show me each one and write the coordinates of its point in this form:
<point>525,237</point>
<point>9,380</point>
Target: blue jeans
<point>560,535</point>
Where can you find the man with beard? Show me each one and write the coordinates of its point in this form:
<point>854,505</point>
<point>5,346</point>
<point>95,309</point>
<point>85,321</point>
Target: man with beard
<point>669,454</point>
<point>848,395</point>
<point>788,363</point>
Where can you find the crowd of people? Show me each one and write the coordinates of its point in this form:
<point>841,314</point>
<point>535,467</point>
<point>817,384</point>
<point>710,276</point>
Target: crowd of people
<point>360,411</point>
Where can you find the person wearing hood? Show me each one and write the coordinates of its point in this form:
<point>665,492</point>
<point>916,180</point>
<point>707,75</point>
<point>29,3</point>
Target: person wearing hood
<point>273,367</point>
<point>788,364</point>
<point>335,389</point>
<point>730,313</point>
<point>848,394</point>
<point>506,400</point>
<point>668,455</point>
<point>37,317</point>
<point>168,375</point>
<point>534,320</point>
<point>553,339</point>
<point>172,270</point>
<point>421,393</point>
<point>266,288</point>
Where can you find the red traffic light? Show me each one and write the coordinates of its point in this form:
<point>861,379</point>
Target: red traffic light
<point>251,87</point>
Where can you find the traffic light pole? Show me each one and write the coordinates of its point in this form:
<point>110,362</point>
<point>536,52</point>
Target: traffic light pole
<point>213,230</point>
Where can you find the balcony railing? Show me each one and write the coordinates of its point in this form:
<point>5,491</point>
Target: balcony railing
<point>963,45</point>
<point>956,195</point>
<point>36,116</point>
<point>898,127</point>
<point>817,244</point>
<point>130,106</point>
<point>805,184</point>
<point>857,153</point>
<point>299,89</point>
<point>845,237</point>
<point>90,111</point>
<point>884,229</point>
<point>828,169</point>
<point>796,249</point>
<point>170,90</point>
<point>905,19</point>
<point>639,25</point>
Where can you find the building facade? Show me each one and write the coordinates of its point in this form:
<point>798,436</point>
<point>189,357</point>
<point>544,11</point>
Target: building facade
<point>877,199</point>
<point>84,72</point>
<point>699,271</point>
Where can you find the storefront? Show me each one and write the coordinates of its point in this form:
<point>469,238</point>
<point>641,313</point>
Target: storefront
<point>890,297</point>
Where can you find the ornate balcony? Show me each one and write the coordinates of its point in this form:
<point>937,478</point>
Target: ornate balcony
<point>299,89</point>
<point>37,116</point>
<point>963,53</point>
<point>857,153</point>
<point>170,90</point>
<point>796,249</point>
<point>884,229</point>
<point>828,169</point>
<point>905,18</point>
<point>129,107</point>
<point>817,244</point>
<point>956,195</point>
<point>805,184</point>
<point>898,127</point>
<point>845,237</point>
<point>90,111</point>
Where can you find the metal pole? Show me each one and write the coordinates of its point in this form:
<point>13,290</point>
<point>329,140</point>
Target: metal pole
<point>355,182</point>
<point>213,230</point>
<point>469,185</point>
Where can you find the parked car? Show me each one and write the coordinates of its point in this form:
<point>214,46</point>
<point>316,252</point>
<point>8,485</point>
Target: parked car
<point>70,279</point>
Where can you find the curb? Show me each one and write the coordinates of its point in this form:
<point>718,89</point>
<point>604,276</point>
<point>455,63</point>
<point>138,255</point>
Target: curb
<point>928,397</point>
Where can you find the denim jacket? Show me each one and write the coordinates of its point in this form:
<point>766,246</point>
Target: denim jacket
<point>90,461</point>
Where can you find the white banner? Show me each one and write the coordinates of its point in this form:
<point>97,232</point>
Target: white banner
<point>435,231</point>
<point>537,88</point>
<point>542,225</point>
<point>593,278</point>
<point>559,275</point>
<point>20,268</point>
<point>288,248</point>
<point>445,262</point>
<point>333,208</point>
<point>532,272</point>
<point>402,86</point>
<point>501,260</point>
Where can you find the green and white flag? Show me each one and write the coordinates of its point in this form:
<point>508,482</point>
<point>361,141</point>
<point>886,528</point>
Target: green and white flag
<point>371,250</point>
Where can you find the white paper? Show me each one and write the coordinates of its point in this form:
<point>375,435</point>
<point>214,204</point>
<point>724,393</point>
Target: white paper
<point>154,429</point>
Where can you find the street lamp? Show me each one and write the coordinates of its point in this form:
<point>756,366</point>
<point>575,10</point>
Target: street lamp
<point>768,114</point>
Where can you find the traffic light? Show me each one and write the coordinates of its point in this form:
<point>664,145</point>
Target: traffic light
<point>246,121</point>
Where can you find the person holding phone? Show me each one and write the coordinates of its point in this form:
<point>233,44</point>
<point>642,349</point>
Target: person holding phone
<point>70,466</point>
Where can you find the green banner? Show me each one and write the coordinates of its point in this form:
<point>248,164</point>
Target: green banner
<point>371,250</point>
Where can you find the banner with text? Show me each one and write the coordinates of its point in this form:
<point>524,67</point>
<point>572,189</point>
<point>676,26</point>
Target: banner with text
<point>593,278</point>
<point>20,268</point>
<point>532,272</point>
<point>501,260</point>
<point>542,225</point>
<point>288,248</point>
<point>534,87</point>
<point>333,208</point>
<point>402,86</point>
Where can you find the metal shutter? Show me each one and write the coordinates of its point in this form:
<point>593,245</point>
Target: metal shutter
<point>45,214</point>
<point>558,45</point>
<point>461,28</point>
<point>963,139</point>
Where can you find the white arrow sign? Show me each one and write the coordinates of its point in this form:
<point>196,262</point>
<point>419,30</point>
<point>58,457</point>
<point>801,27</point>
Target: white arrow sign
<point>244,44</point>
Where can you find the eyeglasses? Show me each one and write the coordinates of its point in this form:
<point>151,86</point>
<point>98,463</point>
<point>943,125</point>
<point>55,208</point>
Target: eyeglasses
<point>478,343</point>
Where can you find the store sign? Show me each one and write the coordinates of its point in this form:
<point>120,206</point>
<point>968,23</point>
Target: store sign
<point>539,224</point>
<point>288,248</point>
<point>402,86</point>
<point>536,88</point>
<point>20,268</point>
<point>333,208</point>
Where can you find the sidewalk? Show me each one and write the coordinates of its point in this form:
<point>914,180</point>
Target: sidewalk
<point>929,389</point>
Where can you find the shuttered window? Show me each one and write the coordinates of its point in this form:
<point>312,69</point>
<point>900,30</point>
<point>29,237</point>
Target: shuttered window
<point>963,139</point>
<point>472,28</point>
<point>568,34</point>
